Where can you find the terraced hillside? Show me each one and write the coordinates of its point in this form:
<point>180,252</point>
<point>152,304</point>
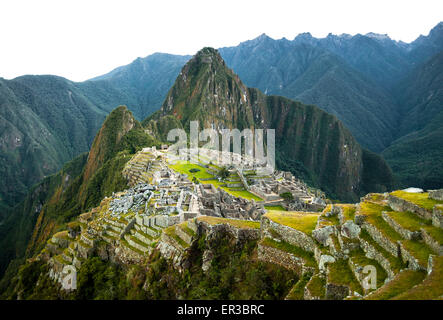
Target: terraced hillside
<point>387,246</point>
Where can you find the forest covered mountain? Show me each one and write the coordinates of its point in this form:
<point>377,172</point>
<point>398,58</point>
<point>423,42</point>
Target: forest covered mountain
<point>369,82</point>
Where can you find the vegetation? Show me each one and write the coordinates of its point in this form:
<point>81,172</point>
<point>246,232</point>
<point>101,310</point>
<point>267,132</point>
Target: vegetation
<point>340,274</point>
<point>234,222</point>
<point>308,257</point>
<point>430,288</point>
<point>420,199</point>
<point>301,221</point>
<point>287,196</point>
<point>401,283</point>
<point>317,286</point>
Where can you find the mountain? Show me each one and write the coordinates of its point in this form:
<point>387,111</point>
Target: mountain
<point>416,154</point>
<point>310,142</point>
<point>78,187</point>
<point>313,75</point>
<point>145,80</point>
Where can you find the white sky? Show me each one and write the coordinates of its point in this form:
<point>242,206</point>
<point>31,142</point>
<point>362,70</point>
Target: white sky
<point>80,39</point>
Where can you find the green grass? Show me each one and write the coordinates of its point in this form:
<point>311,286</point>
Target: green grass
<point>430,288</point>
<point>234,222</point>
<point>341,274</point>
<point>359,257</point>
<point>348,211</point>
<point>412,222</point>
<point>420,199</point>
<point>395,263</point>
<point>401,283</point>
<point>419,250</point>
<point>186,229</point>
<point>317,286</point>
<point>373,216</point>
<point>184,167</point>
<point>139,242</point>
<point>301,221</point>
<point>170,231</point>
<point>126,244</point>
<point>308,257</point>
<point>276,208</point>
<point>298,290</point>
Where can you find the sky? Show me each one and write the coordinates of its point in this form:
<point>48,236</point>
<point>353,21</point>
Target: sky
<point>79,39</point>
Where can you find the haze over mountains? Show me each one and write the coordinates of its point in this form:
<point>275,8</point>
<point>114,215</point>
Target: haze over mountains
<point>387,93</point>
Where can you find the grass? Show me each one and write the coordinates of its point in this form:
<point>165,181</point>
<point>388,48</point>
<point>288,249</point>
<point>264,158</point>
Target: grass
<point>395,263</point>
<point>401,283</point>
<point>420,199</point>
<point>341,274</point>
<point>170,231</point>
<point>308,257</point>
<point>186,229</point>
<point>317,286</point>
<point>275,208</point>
<point>301,221</point>
<point>373,216</point>
<point>184,167</point>
<point>359,258</point>
<point>430,288</point>
<point>139,242</point>
<point>245,224</point>
<point>412,222</point>
<point>419,250</point>
<point>298,290</point>
<point>126,244</point>
<point>348,211</point>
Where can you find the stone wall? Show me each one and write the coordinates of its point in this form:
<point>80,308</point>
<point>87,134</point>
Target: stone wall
<point>436,194</point>
<point>432,243</point>
<point>284,259</point>
<point>407,234</point>
<point>388,245</point>
<point>398,204</point>
<point>437,216</point>
<point>372,253</point>
<point>410,259</point>
<point>287,234</point>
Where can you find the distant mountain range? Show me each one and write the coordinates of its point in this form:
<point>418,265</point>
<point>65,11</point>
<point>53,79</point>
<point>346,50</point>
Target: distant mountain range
<point>369,82</point>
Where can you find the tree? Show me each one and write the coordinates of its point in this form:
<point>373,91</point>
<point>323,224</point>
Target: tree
<point>287,196</point>
<point>223,173</point>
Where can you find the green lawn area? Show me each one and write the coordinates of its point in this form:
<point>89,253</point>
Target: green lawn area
<point>359,257</point>
<point>183,167</point>
<point>170,231</point>
<point>308,257</point>
<point>420,199</point>
<point>419,250</point>
<point>276,208</point>
<point>412,222</point>
<point>400,284</point>
<point>373,216</point>
<point>430,288</point>
<point>341,274</point>
<point>317,286</point>
<point>298,290</point>
<point>348,211</point>
<point>302,221</point>
<point>234,222</point>
<point>395,263</point>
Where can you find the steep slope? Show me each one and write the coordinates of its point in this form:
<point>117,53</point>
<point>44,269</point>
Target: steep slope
<point>309,142</point>
<point>309,73</point>
<point>146,81</point>
<point>81,185</point>
<point>416,155</point>
<point>44,122</point>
